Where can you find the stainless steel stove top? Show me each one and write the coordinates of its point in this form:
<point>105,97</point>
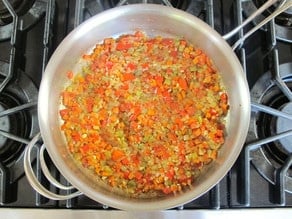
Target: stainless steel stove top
<point>199,214</point>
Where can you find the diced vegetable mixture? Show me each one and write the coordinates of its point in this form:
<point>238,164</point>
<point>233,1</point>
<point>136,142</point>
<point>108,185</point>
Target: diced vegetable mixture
<point>145,114</point>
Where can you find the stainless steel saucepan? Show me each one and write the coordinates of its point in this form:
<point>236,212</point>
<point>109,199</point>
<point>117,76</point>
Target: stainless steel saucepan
<point>153,20</point>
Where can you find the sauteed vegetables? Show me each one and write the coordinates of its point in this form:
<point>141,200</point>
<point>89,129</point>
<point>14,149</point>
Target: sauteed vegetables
<point>145,114</point>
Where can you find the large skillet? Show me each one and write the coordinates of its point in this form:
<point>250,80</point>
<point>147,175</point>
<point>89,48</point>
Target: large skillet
<point>154,20</point>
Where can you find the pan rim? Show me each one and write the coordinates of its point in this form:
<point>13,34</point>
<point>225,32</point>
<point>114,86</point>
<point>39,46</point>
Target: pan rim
<point>44,106</point>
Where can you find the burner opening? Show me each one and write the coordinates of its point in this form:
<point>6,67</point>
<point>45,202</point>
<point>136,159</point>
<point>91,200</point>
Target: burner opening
<point>283,125</point>
<point>269,158</point>
<point>17,124</point>
<point>268,125</point>
<point>20,6</point>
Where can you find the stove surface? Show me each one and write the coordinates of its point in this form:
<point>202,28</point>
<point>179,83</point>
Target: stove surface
<point>261,177</point>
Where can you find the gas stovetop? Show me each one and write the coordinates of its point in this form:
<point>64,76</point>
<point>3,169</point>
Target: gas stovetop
<point>261,177</point>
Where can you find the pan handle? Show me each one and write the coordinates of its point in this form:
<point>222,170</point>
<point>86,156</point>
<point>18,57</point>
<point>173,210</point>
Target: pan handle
<point>282,7</point>
<point>265,6</point>
<point>33,179</point>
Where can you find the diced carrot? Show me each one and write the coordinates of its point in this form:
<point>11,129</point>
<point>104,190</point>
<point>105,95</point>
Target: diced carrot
<point>123,46</point>
<point>64,113</point>
<point>109,64</point>
<point>145,65</point>
<point>86,57</point>
<point>117,155</point>
<point>183,83</point>
<point>131,66</point>
<point>167,41</point>
<point>70,74</point>
<point>138,175</point>
<point>125,161</point>
<point>159,80</point>
<point>128,76</point>
<point>224,97</point>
